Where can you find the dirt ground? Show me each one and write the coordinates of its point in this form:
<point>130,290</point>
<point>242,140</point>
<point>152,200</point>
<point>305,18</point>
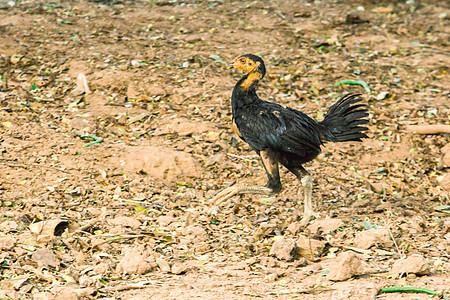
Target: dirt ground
<point>129,216</point>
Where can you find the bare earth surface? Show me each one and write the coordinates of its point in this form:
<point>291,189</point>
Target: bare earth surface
<point>129,217</point>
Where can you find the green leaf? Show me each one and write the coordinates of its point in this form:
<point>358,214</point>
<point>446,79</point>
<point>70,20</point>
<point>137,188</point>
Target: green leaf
<point>381,170</point>
<point>217,58</point>
<point>443,208</point>
<point>320,115</point>
<point>138,208</point>
<point>355,82</point>
<point>368,225</point>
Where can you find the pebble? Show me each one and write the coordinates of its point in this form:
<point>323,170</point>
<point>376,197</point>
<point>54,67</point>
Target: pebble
<point>133,263</point>
<point>415,264</point>
<point>45,258</point>
<point>309,247</point>
<point>179,268</point>
<point>284,249</point>
<point>367,238</point>
<point>325,226</point>
<point>347,265</point>
<point>163,265</point>
<point>7,243</point>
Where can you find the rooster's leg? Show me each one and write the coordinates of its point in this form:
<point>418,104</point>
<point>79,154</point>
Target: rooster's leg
<point>239,190</point>
<point>306,181</point>
<point>273,186</point>
<point>307,190</point>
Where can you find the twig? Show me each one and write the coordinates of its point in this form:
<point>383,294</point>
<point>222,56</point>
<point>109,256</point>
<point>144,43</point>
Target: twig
<point>118,236</point>
<point>428,129</point>
<point>392,237</point>
<point>87,225</point>
<point>115,237</point>
<point>204,70</point>
<point>362,251</point>
<point>12,165</point>
<point>410,289</point>
<point>96,140</point>
<point>133,286</point>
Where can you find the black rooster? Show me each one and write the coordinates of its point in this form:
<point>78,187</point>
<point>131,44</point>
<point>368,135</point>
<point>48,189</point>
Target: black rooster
<point>285,135</point>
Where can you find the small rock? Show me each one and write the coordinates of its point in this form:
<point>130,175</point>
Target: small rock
<point>446,155</point>
<point>325,226</point>
<point>94,211</point>
<point>367,238</point>
<point>153,90</point>
<point>360,203</point>
<point>269,262</point>
<point>301,262</point>
<point>446,227</point>
<point>85,281</point>
<point>66,293</point>
<point>196,233</point>
<point>347,265</point>
<point>415,264</point>
<point>133,262</point>
<point>8,226</point>
<point>250,261</point>
<point>382,10</point>
<point>444,181</point>
<point>7,243</point>
<point>272,277</point>
<point>284,249</point>
<point>86,293</point>
<point>179,268</point>
<point>163,265</point>
<point>71,292</point>
<point>125,221</point>
<point>377,187</point>
<point>44,258</point>
<point>165,220</point>
<point>309,247</point>
<point>193,38</point>
<point>80,257</point>
<point>356,17</point>
<point>43,296</point>
<point>131,91</point>
<point>101,268</point>
<point>293,227</point>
